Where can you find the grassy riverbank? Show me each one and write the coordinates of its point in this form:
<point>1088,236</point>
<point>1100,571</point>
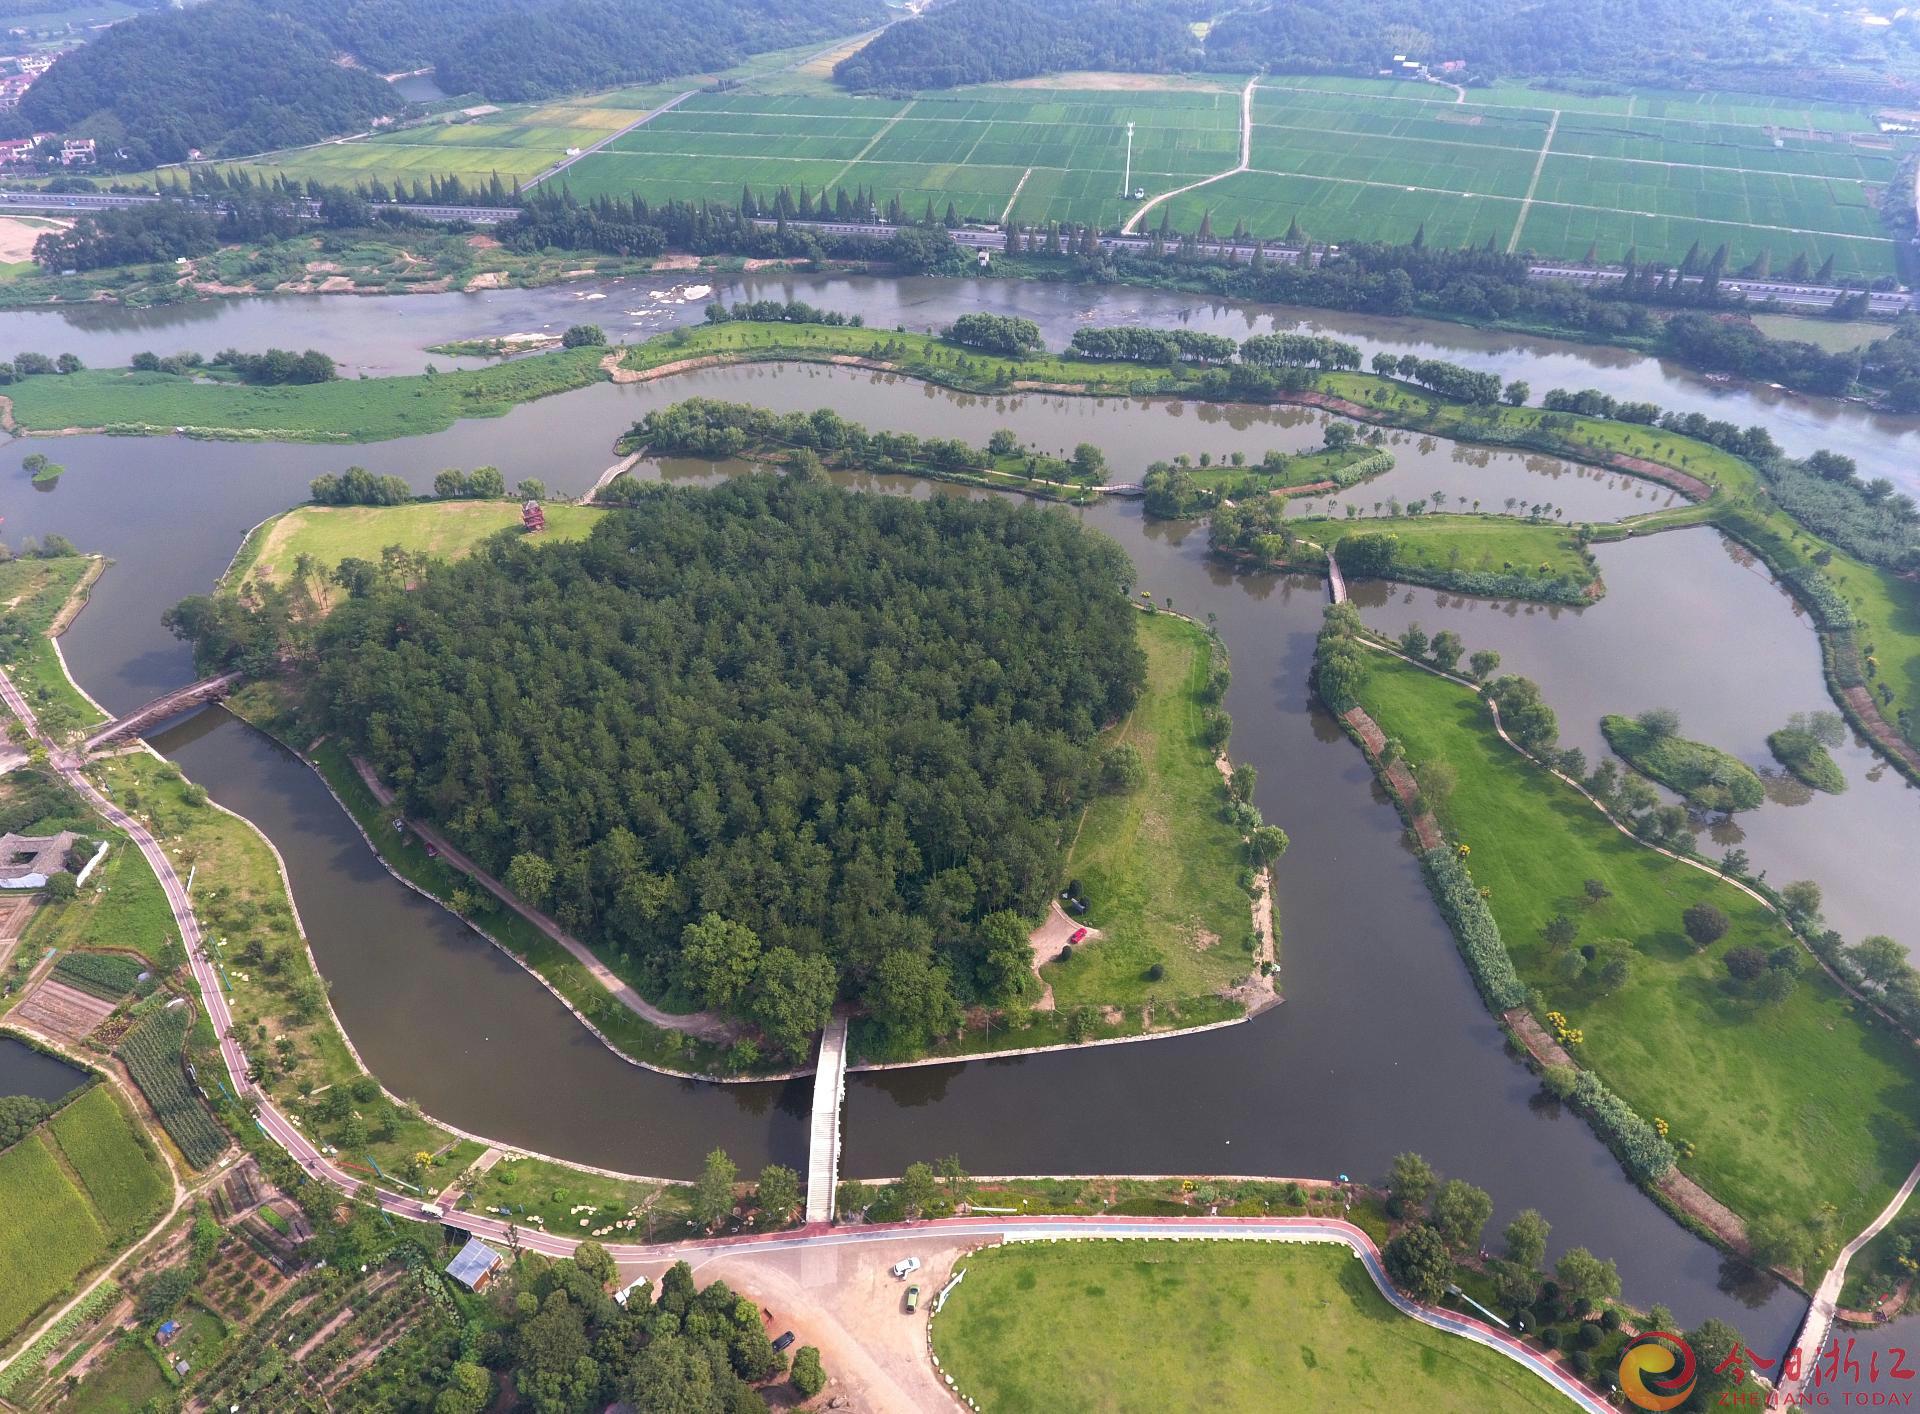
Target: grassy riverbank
<point>1160,864</point>
<point>39,596</point>
<point>1812,1077</point>
<point>1035,1327</point>
<point>345,410</point>
<point>445,530</point>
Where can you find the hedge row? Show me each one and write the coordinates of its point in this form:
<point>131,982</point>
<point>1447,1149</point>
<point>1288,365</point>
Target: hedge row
<point>1634,1142</point>
<point>1474,929</point>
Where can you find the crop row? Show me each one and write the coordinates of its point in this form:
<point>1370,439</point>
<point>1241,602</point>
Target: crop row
<point>107,975</point>
<point>152,1051</point>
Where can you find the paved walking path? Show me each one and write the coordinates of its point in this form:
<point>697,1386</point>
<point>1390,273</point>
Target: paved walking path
<point>1826,1296</point>
<point>705,1025</point>
<point>823,1142</point>
<point>1246,160</point>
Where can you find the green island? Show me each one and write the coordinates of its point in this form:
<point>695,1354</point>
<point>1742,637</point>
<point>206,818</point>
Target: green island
<point>1035,1325</point>
<point>1709,778</point>
<point>1772,1068</point>
<point>1802,747</point>
<point>127,402</point>
<point>1183,952</point>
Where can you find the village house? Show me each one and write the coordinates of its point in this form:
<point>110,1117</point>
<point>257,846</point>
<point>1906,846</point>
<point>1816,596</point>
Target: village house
<point>76,152</point>
<point>27,861</point>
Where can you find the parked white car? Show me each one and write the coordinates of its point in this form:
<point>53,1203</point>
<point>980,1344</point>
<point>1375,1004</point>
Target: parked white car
<point>906,1267</point>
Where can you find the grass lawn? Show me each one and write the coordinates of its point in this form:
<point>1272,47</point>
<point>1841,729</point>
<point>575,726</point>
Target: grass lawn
<point>121,907</point>
<point>1486,544</point>
<point>443,529</point>
<point>122,1382</point>
<point>50,1234</point>
<point>527,1187</point>
<point>32,593</point>
<point>1888,609</point>
<point>345,410</point>
<point>1150,1326</point>
<point>1159,864</point>
<point>1745,1083</point>
<point>117,1164</point>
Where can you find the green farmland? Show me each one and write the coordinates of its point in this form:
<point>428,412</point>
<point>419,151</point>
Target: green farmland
<point>1063,150</point>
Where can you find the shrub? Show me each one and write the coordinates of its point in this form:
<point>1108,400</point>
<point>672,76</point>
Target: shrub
<point>1705,924</point>
<point>1646,1156</point>
<point>1475,931</point>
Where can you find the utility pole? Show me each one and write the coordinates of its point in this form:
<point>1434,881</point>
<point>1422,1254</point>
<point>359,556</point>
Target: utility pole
<point>1126,181</point>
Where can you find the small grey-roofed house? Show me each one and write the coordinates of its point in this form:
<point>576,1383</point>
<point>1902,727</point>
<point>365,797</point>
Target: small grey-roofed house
<point>26,861</point>
<point>473,1266</point>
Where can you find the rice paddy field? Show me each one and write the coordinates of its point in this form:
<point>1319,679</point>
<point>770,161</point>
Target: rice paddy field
<point>1063,151</point>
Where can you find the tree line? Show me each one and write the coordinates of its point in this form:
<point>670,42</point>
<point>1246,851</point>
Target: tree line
<point>805,745</point>
<point>984,41</point>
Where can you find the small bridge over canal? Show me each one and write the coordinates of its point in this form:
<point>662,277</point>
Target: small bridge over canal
<point>163,707</point>
<point>823,1144</point>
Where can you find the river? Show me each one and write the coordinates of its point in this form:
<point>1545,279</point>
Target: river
<point>1382,1044</point>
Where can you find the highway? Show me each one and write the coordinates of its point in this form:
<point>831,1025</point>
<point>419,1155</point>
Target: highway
<point>288,1136</point>
<point>1799,296</point>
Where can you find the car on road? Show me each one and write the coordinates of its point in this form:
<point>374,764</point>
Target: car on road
<point>783,1342</point>
<point>1078,934</point>
<point>905,1267</point>
<point>913,1299</point>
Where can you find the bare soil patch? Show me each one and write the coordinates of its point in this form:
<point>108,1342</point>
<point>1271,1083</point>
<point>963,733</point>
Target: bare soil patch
<point>62,1011</point>
<point>18,233</point>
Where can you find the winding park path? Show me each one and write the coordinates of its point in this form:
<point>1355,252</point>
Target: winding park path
<point>283,1132</point>
<point>1246,161</point>
<point>706,1026</point>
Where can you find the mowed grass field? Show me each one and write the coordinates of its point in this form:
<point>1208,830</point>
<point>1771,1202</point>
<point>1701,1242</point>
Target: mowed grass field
<point>1063,150</point>
<point>1049,1328</point>
<point>1556,174</point>
<point>1160,865</point>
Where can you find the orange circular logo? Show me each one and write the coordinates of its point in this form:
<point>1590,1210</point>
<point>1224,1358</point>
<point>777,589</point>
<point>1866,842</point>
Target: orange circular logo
<point>1655,1375</point>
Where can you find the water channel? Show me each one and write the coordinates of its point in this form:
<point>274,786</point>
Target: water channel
<point>1382,1044</point>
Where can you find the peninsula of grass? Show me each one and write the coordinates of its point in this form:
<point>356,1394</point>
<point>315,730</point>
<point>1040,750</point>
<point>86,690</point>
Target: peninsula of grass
<point>40,596</point>
<point>1048,1328</point>
<point>1500,556</point>
<point>346,410</point>
<point>1709,778</point>
<point>1160,865</point>
<point>1808,759</point>
<point>1813,1076</point>
<point>445,530</point>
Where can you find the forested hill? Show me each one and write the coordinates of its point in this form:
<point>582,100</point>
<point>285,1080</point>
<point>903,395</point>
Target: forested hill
<point>772,740</point>
<point>1720,43</point>
<point>984,41</point>
<point>238,76</point>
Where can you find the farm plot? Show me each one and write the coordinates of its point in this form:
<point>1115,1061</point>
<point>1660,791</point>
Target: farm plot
<point>517,142</point>
<point>152,1051</point>
<point>1657,172</point>
<point>110,975</point>
<point>972,147</point>
<point>61,1010</point>
<point>50,1236</point>
<point>121,1174</point>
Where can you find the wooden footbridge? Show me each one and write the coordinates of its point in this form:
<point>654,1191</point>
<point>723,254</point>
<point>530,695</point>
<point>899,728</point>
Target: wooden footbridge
<point>165,706</point>
<point>823,1144</point>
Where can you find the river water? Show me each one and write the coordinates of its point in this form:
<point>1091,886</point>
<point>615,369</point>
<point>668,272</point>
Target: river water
<point>1382,1044</point>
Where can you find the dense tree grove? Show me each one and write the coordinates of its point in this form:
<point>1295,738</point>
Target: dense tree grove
<point>1724,43</point>
<point>983,41</point>
<point>134,235</point>
<point>769,731</point>
<point>229,76</point>
<point>1136,344</point>
<point>237,76</point>
<point>277,366</point>
<point>1005,334</point>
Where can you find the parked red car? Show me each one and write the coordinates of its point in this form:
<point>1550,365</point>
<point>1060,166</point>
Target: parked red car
<point>1078,934</point>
